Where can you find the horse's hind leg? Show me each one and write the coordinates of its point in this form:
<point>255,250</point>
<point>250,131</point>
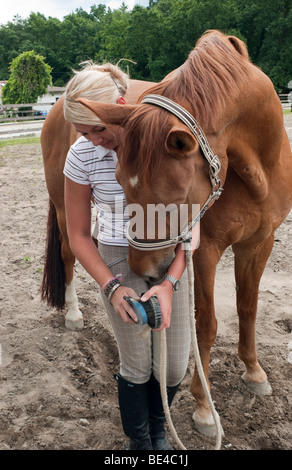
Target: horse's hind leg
<point>73,317</point>
<point>57,287</point>
<point>250,261</point>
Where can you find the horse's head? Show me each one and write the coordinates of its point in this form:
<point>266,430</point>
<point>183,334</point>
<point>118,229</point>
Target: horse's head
<point>164,175</point>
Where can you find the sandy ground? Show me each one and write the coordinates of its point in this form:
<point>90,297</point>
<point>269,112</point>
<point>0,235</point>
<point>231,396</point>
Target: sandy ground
<point>57,389</point>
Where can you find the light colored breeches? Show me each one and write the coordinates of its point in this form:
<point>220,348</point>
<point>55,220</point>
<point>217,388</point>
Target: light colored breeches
<point>140,353</point>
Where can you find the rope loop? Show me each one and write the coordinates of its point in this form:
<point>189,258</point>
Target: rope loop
<point>163,359</point>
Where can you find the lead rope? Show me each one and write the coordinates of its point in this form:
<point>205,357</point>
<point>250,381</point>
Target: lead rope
<point>163,389</point>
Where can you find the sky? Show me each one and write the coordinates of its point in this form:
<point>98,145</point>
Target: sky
<point>56,8</point>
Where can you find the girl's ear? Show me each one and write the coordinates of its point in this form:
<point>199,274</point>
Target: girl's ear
<point>121,100</point>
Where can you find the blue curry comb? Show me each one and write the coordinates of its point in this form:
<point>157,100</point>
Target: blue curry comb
<point>148,312</point>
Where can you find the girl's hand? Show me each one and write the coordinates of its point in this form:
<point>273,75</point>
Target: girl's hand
<point>164,293</point>
<point>121,306</point>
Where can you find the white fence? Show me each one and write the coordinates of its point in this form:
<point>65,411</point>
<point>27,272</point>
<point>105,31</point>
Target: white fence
<point>286,100</point>
<point>24,112</point>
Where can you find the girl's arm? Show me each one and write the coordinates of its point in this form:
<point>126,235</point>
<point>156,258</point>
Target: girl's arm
<point>78,219</point>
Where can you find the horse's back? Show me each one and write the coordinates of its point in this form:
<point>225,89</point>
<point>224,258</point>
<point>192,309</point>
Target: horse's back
<point>56,138</point>
<point>136,88</point>
<point>56,132</point>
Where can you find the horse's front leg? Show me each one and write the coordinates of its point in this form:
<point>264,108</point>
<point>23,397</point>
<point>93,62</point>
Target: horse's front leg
<point>250,261</point>
<point>205,263</point>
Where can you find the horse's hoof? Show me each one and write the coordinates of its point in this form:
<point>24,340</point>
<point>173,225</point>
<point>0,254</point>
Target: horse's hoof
<point>206,426</point>
<point>263,388</point>
<point>75,325</point>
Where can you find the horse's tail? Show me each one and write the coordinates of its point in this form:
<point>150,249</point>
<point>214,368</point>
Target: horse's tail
<point>54,281</point>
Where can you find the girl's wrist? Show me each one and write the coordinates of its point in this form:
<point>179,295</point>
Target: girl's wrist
<point>167,285</point>
<point>172,281</point>
<point>109,281</point>
<point>111,286</point>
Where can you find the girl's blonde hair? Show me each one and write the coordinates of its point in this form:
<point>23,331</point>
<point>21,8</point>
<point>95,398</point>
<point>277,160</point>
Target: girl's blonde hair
<point>103,83</point>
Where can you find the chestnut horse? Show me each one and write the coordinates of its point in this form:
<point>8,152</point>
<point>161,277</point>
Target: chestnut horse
<point>162,161</point>
<point>58,288</point>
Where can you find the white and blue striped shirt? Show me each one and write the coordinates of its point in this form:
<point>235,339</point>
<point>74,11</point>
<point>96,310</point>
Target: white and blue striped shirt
<point>95,166</point>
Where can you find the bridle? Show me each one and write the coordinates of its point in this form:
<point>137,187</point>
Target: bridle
<point>214,169</point>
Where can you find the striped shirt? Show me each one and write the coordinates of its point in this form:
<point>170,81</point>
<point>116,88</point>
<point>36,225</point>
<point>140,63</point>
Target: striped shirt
<point>95,166</point>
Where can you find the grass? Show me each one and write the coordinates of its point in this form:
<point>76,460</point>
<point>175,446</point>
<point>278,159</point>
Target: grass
<point>19,141</point>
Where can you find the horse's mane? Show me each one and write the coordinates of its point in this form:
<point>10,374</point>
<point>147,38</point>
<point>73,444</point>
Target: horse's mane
<point>210,78</point>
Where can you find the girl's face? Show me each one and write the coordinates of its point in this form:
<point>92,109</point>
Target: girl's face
<point>108,137</point>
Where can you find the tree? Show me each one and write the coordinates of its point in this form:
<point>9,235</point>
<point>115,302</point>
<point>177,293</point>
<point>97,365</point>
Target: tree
<point>158,37</point>
<point>113,35</point>
<point>44,37</point>
<point>267,26</point>
<point>9,44</point>
<point>29,79</point>
<point>79,37</point>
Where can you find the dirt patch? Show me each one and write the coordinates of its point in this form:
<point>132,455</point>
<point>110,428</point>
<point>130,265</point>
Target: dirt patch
<point>57,388</point>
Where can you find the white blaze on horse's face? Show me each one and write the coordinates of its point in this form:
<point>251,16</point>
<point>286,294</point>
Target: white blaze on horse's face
<point>134,181</point>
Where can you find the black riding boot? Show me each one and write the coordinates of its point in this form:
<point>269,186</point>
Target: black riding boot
<point>157,418</point>
<point>134,409</point>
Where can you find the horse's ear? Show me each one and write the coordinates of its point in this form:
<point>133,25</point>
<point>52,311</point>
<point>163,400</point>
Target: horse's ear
<point>180,142</point>
<point>109,113</point>
<point>239,46</point>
